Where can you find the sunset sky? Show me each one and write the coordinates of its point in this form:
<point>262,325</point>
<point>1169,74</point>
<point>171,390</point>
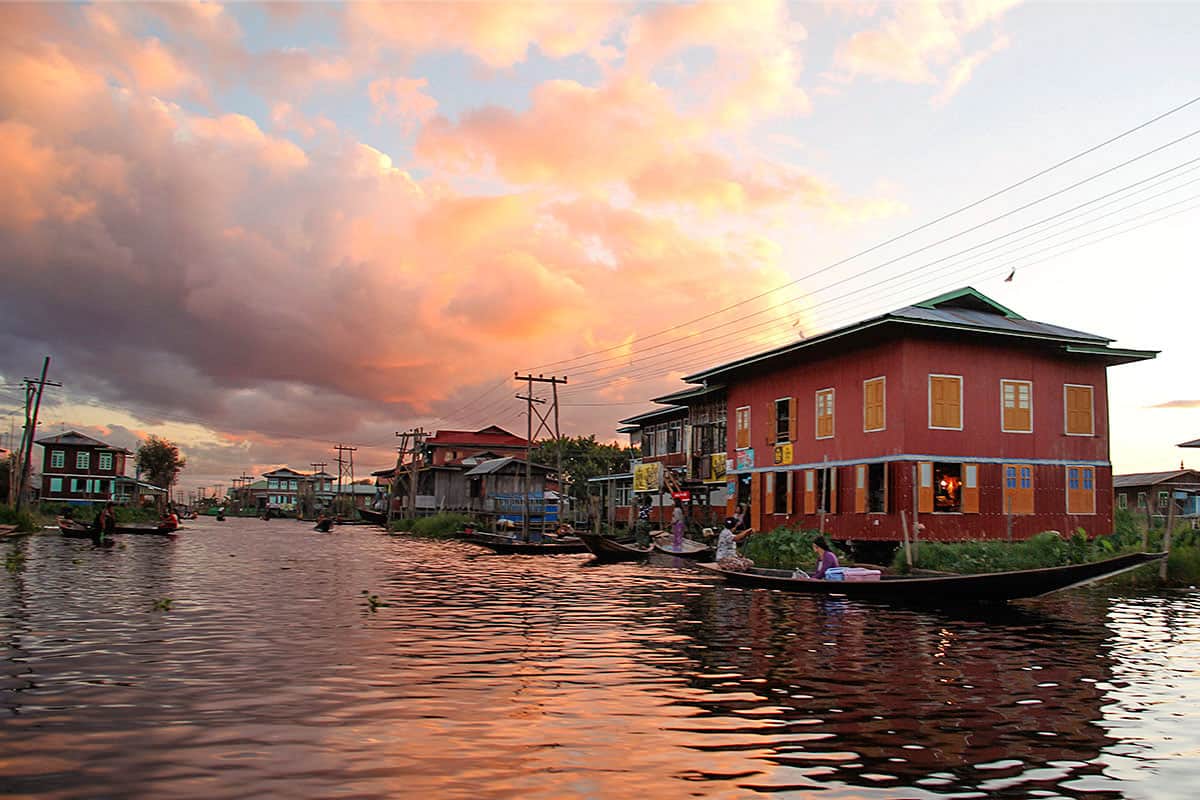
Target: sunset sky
<point>264,230</point>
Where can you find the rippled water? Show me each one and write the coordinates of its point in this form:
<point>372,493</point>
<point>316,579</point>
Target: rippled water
<point>517,676</point>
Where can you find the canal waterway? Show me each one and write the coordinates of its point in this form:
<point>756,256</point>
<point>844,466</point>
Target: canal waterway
<point>243,660</point>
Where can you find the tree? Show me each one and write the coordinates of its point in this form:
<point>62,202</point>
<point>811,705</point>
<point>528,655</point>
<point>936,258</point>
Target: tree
<point>583,458</point>
<point>159,460</point>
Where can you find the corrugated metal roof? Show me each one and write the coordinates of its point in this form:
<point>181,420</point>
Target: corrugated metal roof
<point>1193,443</point>
<point>669,411</point>
<point>497,464</point>
<point>77,439</point>
<point>689,394</point>
<point>962,310</point>
<point>1151,478</point>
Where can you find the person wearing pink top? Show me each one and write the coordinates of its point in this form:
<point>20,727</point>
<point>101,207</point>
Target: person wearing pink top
<point>826,560</point>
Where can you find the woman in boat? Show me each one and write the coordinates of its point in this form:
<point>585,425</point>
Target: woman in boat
<point>741,519</point>
<point>826,560</point>
<point>727,542</point>
<point>677,525</point>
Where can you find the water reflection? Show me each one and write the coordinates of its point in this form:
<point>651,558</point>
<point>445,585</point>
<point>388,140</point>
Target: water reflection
<point>512,676</point>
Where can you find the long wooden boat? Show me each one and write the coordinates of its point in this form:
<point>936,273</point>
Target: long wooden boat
<point>687,549</point>
<point>508,545</point>
<point>374,517</point>
<point>164,529</point>
<point>608,549</point>
<point>993,587</point>
<point>74,530</point>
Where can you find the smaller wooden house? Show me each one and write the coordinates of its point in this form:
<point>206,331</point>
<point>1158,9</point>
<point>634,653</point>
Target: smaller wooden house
<point>498,487</point>
<point>1149,494</point>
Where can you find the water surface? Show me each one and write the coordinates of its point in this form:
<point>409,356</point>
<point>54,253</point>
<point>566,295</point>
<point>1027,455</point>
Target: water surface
<point>544,677</point>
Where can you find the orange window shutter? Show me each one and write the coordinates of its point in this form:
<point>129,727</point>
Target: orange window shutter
<point>953,403</point>
<point>860,489</point>
<point>925,487</point>
<point>731,504</point>
<point>756,505</point>
<point>970,489</point>
<point>769,494</point>
<point>810,491</point>
<point>790,506</point>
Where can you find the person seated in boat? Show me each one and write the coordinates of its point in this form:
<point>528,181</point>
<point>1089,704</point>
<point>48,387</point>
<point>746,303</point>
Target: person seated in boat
<point>324,523</point>
<point>727,542</point>
<point>105,523</point>
<point>826,560</point>
<point>170,519</point>
<point>564,529</point>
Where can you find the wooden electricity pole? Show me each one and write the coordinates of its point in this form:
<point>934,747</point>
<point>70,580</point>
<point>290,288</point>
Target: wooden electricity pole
<point>543,424</point>
<point>345,469</point>
<point>31,427</point>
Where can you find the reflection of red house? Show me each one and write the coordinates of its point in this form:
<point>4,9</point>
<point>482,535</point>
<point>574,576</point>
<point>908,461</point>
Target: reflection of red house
<point>980,418</point>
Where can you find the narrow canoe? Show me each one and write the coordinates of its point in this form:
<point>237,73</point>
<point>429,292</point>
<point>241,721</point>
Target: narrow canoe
<point>945,590</point>
<point>687,549</point>
<point>608,549</point>
<point>374,517</point>
<point>148,530</point>
<point>507,545</point>
<point>74,530</point>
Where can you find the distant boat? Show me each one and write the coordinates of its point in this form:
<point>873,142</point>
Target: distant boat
<point>376,517</point>
<point>992,587</point>
<point>606,548</point>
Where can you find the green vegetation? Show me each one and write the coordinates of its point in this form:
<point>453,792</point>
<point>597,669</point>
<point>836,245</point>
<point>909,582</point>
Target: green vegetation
<point>14,560</point>
<point>439,526</point>
<point>159,460</point>
<point>582,457</point>
<point>162,604</point>
<point>784,548</point>
<point>25,520</point>
<point>1049,549</point>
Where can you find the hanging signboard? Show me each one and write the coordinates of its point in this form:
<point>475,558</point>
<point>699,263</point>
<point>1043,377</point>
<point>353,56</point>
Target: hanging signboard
<point>783,454</point>
<point>684,497</point>
<point>647,477</point>
<point>717,470</point>
<point>745,459</point>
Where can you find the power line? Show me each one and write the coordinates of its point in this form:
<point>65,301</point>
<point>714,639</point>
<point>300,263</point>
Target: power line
<point>917,229</point>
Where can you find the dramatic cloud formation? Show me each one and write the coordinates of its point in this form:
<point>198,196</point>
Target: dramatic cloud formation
<point>257,268</point>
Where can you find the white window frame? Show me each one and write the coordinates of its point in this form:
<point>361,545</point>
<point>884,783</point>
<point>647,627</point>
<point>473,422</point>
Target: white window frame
<point>83,460</point>
<point>1092,412</point>
<point>962,407</point>
<point>832,412</point>
<point>864,392</point>
<point>1123,501</point>
<point>58,459</point>
<point>749,430</point>
<point>101,458</point>
<point>1018,381</point>
<point>56,489</point>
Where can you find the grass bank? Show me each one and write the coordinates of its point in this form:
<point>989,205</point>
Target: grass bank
<point>25,520</point>
<point>439,526</point>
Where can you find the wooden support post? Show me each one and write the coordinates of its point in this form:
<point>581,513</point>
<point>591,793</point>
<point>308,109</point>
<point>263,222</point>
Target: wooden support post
<point>904,533</point>
<point>824,493</point>
<point>1008,516</point>
<point>1162,568</point>
<point>916,500</point>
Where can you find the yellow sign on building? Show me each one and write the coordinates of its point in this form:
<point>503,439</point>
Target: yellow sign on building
<point>647,477</point>
<point>783,454</point>
<point>717,471</point>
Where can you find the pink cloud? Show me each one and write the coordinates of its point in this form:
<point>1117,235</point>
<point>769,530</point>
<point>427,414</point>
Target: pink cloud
<point>920,41</point>
<point>498,34</point>
<point>403,99</point>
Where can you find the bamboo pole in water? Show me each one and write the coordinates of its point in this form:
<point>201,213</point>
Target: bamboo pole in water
<point>1162,568</point>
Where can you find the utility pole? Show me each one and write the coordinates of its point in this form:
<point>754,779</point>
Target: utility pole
<point>31,426</point>
<point>318,481</point>
<point>394,489</point>
<point>543,424</point>
<point>345,466</point>
<point>416,443</point>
